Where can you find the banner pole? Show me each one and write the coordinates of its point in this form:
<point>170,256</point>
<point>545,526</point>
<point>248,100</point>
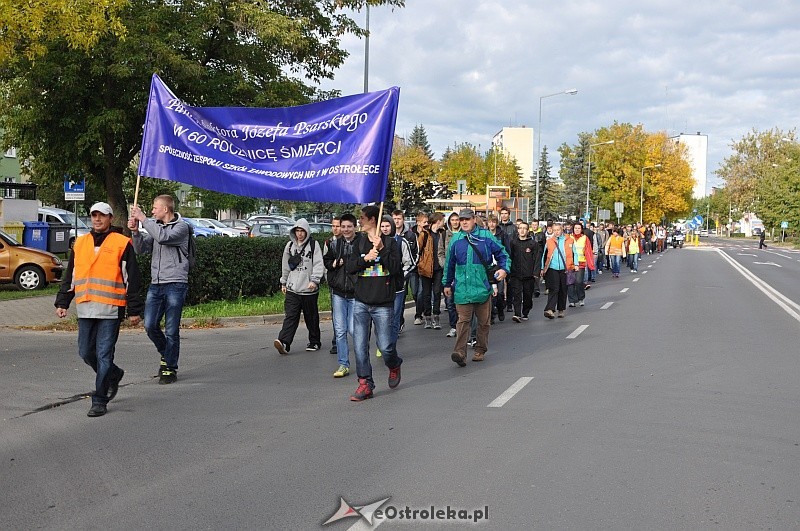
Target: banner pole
<point>136,192</point>
<point>378,225</point>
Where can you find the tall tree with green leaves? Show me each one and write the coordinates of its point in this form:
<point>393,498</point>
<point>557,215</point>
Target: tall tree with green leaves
<point>419,138</point>
<point>79,110</point>
<point>550,190</point>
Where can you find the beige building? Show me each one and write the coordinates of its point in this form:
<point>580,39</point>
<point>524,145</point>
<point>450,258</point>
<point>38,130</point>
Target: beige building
<point>518,143</point>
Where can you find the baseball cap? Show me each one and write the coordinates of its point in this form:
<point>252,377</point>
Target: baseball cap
<point>466,213</point>
<point>103,208</point>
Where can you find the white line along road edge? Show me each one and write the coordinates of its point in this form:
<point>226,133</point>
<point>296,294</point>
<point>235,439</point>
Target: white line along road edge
<point>509,393</point>
<point>788,305</point>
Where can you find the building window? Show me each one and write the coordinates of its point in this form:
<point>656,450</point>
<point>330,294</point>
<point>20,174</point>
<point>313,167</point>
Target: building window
<point>8,193</point>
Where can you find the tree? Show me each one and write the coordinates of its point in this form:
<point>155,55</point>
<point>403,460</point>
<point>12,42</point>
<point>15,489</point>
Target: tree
<point>412,178</point>
<point>763,176</point>
<point>80,112</point>
<point>550,191</point>
<point>419,138</point>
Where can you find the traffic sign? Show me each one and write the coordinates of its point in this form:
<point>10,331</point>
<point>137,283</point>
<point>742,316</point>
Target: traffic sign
<point>698,220</point>
<point>784,224</point>
<point>604,214</point>
<point>74,190</point>
<point>619,208</point>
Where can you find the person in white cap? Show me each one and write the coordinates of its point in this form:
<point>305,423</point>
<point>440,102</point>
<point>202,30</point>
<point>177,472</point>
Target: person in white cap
<point>103,277</point>
<point>167,239</point>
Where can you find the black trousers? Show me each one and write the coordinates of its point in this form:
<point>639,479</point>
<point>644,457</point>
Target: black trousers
<point>522,290</point>
<point>556,281</point>
<point>293,305</point>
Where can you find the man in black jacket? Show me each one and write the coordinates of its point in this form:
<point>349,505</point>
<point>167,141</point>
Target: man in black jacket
<point>376,264</point>
<point>526,259</point>
<point>342,285</point>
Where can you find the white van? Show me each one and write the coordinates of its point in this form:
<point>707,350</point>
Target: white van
<point>59,215</point>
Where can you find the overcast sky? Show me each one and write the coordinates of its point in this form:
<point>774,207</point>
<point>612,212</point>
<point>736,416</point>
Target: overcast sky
<point>467,68</point>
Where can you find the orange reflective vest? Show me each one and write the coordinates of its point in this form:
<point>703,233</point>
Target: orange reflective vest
<point>97,276</point>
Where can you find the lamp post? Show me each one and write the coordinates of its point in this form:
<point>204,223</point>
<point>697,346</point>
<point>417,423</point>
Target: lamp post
<point>589,168</point>
<point>641,192</point>
<point>536,155</point>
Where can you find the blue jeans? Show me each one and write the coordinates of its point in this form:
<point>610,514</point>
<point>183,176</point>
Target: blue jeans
<point>165,301</point>
<point>450,304</point>
<point>634,262</point>
<point>615,260</point>
<point>97,340</point>
<point>342,325</point>
<point>363,317</point>
<point>397,315</point>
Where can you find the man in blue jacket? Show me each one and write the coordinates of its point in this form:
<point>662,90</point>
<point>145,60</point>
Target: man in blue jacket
<point>466,280</point>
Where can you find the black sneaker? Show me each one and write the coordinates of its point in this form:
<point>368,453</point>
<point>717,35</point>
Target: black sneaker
<point>501,315</point>
<point>311,347</point>
<point>97,410</point>
<point>168,376</point>
<point>162,367</point>
<point>113,385</point>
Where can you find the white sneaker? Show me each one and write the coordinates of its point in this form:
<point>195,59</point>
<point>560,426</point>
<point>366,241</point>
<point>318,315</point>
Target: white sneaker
<point>418,321</point>
<point>451,333</point>
<point>580,303</point>
<point>571,305</point>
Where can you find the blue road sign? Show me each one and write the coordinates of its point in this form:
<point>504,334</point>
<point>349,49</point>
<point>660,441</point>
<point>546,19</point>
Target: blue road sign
<point>698,220</point>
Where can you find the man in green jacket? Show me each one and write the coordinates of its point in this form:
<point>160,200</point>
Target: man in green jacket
<point>470,253</point>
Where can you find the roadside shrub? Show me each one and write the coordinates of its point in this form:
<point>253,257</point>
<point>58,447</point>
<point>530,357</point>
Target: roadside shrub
<point>231,268</point>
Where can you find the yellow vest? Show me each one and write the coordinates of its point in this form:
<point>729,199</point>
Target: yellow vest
<point>97,276</point>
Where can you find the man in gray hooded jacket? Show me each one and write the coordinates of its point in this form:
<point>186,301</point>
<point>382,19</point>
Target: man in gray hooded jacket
<point>301,273</point>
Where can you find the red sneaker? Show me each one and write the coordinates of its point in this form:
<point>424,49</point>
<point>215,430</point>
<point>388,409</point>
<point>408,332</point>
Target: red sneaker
<point>363,392</point>
<point>394,377</point>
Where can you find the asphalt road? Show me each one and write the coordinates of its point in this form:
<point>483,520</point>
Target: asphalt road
<point>675,407</point>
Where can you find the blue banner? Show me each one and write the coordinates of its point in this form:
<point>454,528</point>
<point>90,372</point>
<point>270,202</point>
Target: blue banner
<point>333,151</point>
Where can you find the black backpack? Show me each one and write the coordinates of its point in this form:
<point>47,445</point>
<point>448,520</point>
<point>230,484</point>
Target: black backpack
<point>191,255</point>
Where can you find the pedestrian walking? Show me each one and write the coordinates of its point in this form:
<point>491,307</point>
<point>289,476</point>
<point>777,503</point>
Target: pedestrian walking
<point>557,260</point>
<point>761,238</point>
<point>342,286</point>
<point>302,267</point>
<point>615,251</point>
<point>104,280</point>
<point>377,266</point>
<point>525,268</point>
<point>453,226</point>
<point>336,230</point>
<point>471,253</point>
<point>167,238</point>
<point>388,229</point>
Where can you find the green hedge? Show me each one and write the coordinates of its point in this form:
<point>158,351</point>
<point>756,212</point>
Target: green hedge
<point>231,268</point>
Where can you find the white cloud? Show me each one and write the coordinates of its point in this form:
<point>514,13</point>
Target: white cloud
<point>466,69</point>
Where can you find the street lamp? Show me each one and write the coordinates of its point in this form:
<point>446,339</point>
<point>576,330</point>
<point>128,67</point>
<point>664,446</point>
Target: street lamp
<point>641,191</point>
<point>589,168</point>
<point>536,155</point>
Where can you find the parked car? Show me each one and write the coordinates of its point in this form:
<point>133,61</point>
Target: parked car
<point>270,217</point>
<point>199,230</point>
<point>210,223</point>
<point>26,267</point>
<point>59,215</point>
<point>238,224</point>
<point>270,228</point>
<point>320,227</point>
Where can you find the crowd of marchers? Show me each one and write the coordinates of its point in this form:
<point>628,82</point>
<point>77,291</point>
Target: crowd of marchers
<point>477,269</point>
<point>483,268</point>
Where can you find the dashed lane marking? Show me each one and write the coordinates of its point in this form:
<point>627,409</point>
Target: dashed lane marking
<point>624,290</point>
<point>509,393</point>
<point>636,279</point>
<point>578,331</point>
<point>606,306</point>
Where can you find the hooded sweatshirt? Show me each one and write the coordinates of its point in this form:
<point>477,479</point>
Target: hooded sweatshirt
<point>311,266</point>
<point>169,243</point>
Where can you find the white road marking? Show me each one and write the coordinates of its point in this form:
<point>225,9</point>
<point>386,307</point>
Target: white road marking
<point>644,272</point>
<point>651,265</point>
<point>624,290</point>
<point>577,331</point>
<point>636,279</point>
<point>746,254</point>
<point>509,393</point>
<point>788,305</point>
<point>768,263</point>
<point>606,306</point>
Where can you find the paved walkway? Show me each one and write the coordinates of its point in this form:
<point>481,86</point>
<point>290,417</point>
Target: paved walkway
<point>29,311</point>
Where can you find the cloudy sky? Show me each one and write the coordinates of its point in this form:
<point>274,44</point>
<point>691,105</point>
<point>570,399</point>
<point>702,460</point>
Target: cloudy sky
<point>467,68</point>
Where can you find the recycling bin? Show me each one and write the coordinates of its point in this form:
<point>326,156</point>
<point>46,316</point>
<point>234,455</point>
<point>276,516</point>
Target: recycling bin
<point>58,237</point>
<point>15,229</point>
<point>35,234</point>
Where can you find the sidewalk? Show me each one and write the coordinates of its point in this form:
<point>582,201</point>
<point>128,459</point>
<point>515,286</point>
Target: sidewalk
<point>30,311</point>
